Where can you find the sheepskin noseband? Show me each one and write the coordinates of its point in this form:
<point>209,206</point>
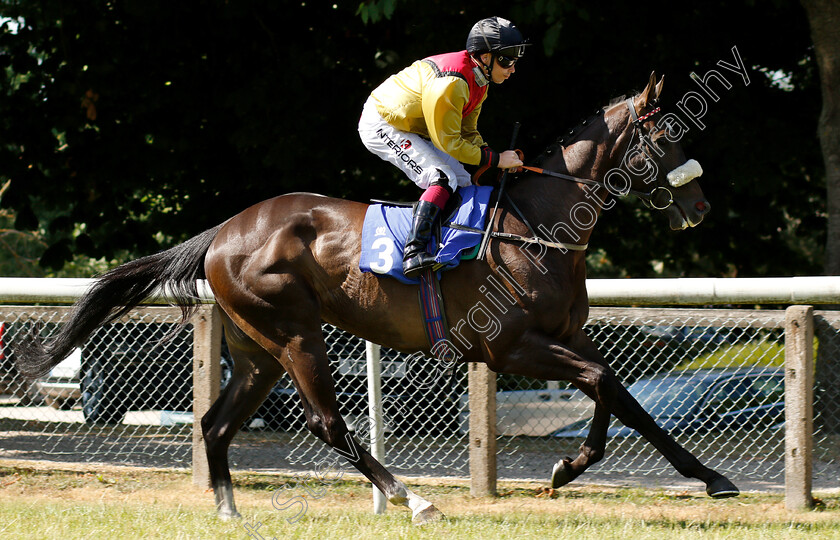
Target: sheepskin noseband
<point>685,173</point>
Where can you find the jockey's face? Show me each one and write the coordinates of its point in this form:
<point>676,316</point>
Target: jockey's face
<point>499,74</point>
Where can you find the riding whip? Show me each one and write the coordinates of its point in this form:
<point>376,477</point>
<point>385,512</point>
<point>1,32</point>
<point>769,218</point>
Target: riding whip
<point>486,238</point>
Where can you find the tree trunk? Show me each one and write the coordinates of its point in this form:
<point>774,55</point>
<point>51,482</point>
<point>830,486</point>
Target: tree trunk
<point>824,19</point>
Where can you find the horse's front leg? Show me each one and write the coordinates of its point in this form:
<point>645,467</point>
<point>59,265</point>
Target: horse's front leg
<point>540,356</point>
<point>593,448</point>
<point>591,451</point>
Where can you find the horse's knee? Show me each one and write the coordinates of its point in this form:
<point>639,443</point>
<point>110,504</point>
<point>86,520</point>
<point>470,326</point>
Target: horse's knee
<point>602,381</point>
<point>209,431</point>
<point>597,375</point>
<point>215,435</point>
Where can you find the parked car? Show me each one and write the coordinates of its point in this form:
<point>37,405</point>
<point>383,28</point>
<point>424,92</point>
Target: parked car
<point>641,351</point>
<point>534,413</point>
<point>125,367</point>
<point>700,401</point>
<point>12,384</point>
<point>60,387</point>
<point>128,368</point>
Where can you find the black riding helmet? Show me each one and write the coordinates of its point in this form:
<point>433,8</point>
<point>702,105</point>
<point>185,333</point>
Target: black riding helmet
<point>497,36</point>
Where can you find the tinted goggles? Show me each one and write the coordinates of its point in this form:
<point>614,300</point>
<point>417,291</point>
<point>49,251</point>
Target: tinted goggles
<point>506,61</point>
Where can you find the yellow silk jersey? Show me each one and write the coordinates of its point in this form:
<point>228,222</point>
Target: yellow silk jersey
<point>437,98</point>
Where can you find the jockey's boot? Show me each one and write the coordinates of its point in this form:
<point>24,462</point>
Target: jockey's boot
<point>415,257</point>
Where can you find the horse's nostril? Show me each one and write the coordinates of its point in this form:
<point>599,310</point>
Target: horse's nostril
<point>702,206</point>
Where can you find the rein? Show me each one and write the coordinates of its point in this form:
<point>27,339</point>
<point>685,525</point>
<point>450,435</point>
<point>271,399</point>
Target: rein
<point>646,196</point>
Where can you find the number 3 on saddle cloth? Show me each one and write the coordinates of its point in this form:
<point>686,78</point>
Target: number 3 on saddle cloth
<point>384,233</point>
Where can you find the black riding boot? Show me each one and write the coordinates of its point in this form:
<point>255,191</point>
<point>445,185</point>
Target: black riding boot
<point>415,257</point>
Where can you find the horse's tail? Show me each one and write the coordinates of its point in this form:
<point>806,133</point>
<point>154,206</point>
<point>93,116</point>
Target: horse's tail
<point>115,293</point>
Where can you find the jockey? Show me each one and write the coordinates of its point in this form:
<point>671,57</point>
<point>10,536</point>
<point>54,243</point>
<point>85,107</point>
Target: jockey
<point>424,120</point>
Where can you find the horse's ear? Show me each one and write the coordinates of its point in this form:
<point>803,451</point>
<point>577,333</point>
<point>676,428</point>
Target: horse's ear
<point>658,91</point>
<point>647,94</point>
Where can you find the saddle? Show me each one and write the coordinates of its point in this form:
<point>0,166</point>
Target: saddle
<point>447,216</point>
<point>388,223</point>
<point>452,205</point>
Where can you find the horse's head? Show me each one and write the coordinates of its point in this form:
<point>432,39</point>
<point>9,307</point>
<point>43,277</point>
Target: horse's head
<point>661,175</point>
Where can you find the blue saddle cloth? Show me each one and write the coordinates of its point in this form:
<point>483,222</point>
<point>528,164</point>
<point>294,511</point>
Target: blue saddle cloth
<point>386,228</point>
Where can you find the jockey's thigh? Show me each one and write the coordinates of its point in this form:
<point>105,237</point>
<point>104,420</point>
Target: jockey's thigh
<point>415,156</point>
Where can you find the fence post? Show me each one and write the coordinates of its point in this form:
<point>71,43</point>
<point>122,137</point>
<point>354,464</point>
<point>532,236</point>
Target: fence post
<point>799,403</point>
<point>207,374</point>
<point>482,392</point>
<point>375,422</point>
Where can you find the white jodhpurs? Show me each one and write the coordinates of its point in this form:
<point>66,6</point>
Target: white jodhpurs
<point>415,156</point>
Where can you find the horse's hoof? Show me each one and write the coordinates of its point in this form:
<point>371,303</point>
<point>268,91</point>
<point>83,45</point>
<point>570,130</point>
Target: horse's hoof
<point>722,488</point>
<point>562,473</point>
<point>427,515</point>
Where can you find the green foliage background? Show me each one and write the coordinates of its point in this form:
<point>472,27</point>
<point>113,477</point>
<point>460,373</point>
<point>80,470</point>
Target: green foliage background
<point>126,127</point>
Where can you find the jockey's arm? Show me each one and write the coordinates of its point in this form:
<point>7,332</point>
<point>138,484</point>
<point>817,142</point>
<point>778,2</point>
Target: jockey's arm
<point>443,100</point>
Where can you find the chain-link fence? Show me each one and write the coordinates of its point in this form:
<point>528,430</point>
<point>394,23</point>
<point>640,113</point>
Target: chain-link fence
<point>713,378</point>
<point>124,397</point>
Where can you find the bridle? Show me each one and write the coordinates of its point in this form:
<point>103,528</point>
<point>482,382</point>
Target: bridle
<point>644,146</point>
<point>649,198</point>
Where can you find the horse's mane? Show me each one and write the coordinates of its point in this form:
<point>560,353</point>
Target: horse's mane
<point>573,133</point>
<point>617,100</point>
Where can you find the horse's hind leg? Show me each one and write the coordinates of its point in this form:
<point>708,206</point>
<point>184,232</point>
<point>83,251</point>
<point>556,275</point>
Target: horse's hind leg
<point>309,369</point>
<point>254,373</point>
<point>304,356</point>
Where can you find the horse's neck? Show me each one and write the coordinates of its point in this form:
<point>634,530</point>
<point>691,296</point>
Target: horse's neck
<point>556,201</point>
<point>597,149</point>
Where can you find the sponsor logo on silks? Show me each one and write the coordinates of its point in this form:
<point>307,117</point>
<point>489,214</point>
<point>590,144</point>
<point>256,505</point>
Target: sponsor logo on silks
<point>381,231</point>
<point>400,149</point>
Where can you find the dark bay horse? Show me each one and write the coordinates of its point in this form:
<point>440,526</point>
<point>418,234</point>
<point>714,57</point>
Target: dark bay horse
<point>281,267</point>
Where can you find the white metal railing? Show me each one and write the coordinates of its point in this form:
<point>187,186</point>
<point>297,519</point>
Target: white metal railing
<point>654,291</point>
<point>68,290</point>
<point>701,291</point>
